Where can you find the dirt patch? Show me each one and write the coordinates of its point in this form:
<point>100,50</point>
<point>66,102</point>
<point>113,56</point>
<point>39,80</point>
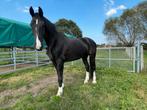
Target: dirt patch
<point>33,88</point>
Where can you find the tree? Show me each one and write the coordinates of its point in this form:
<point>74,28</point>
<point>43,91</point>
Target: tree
<point>69,27</point>
<point>128,28</point>
<point>142,13</point>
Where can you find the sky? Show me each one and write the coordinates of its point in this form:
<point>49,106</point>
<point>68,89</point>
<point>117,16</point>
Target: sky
<point>89,15</point>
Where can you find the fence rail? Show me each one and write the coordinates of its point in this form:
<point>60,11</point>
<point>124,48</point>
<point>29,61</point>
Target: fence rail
<point>129,58</point>
<point>122,57</point>
<point>17,59</point>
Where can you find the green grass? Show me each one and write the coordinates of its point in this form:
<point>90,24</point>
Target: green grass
<point>145,62</point>
<point>35,89</point>
<point>23,78</point>
<point>115,90</point>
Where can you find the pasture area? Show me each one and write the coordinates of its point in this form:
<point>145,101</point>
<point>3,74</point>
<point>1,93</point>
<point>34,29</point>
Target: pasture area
<point>35,89</point>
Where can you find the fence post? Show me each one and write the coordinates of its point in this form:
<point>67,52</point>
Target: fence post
<point>109,57</point>
<point>142,59</point>
<point>72,63</point>
<point>36,57</point>
<point>138,57</point>
<point>14,57</point>
<point>134,58</point>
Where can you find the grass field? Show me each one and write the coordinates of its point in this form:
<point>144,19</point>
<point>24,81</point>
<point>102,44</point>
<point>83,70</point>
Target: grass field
<point>35,89</point>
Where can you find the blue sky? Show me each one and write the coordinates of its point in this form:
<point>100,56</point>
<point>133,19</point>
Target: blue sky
<point>88,14</point>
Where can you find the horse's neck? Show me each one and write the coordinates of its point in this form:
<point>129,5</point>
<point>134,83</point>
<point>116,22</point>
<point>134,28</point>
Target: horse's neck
<point>50,37</point>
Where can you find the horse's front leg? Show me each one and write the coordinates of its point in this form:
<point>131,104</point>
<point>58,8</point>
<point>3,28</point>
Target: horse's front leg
<point>59,68</point>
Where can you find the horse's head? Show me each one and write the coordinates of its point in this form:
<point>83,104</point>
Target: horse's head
<point>38,27</point>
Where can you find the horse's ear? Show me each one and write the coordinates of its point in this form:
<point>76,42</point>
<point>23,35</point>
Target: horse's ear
<point>31,11</point>
<point>40,12</point>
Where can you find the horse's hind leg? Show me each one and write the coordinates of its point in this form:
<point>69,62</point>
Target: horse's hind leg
<point>87,69</point>
<point>92,67</point>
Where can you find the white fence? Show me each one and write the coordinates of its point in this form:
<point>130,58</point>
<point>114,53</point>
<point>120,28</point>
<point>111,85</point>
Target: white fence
<point>118,57</point>
<point>17,59</point>
<point>128,58</point>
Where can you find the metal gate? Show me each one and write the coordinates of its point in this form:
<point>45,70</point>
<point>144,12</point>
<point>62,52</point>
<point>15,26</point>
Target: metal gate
<point>128,58</point>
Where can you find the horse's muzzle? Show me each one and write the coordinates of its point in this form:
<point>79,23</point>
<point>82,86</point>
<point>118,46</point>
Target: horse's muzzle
<point>39,49</point>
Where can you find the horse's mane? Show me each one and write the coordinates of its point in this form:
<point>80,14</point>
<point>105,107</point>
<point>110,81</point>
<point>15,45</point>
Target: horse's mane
<point>50,27</point>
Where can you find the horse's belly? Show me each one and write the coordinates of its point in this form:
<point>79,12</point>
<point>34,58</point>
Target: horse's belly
<point>74,54</point>
<point>72,58</point>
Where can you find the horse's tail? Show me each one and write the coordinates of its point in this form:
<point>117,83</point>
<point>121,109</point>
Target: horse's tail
<point>92,54</point>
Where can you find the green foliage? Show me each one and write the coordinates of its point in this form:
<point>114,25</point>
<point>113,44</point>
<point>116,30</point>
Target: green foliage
<point>69,27</point>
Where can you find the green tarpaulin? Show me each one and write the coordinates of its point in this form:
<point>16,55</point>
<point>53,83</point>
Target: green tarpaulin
<point>13,33</point>
<point>17,34</point>
<point>69,36</point>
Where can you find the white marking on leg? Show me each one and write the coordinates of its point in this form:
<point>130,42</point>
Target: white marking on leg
<point>86,78</point>
<point>94,78</point>
<point>38,43</point>
<point>60,90</point>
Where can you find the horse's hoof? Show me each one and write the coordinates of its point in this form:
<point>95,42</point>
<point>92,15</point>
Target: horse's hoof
<point>59,94</point>
<point>85,82</point>
<point>94,82</point>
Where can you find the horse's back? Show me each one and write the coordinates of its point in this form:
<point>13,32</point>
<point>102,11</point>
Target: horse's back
<point>78,48</point>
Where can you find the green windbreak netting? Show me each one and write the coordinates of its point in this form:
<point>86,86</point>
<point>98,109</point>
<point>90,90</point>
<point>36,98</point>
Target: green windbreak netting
<point>69,36</point>
<point>13,33</point>
<point>17,34</point>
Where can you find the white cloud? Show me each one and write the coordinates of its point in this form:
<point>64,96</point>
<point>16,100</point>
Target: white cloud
<point>111,12</point>
<point>26,9</point>
<point>121,7</point>
<point>111,1</point>
<point>110,9</point>
<point>108,4</point>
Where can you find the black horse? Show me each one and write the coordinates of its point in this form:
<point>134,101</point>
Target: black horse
<point>61,49</point>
